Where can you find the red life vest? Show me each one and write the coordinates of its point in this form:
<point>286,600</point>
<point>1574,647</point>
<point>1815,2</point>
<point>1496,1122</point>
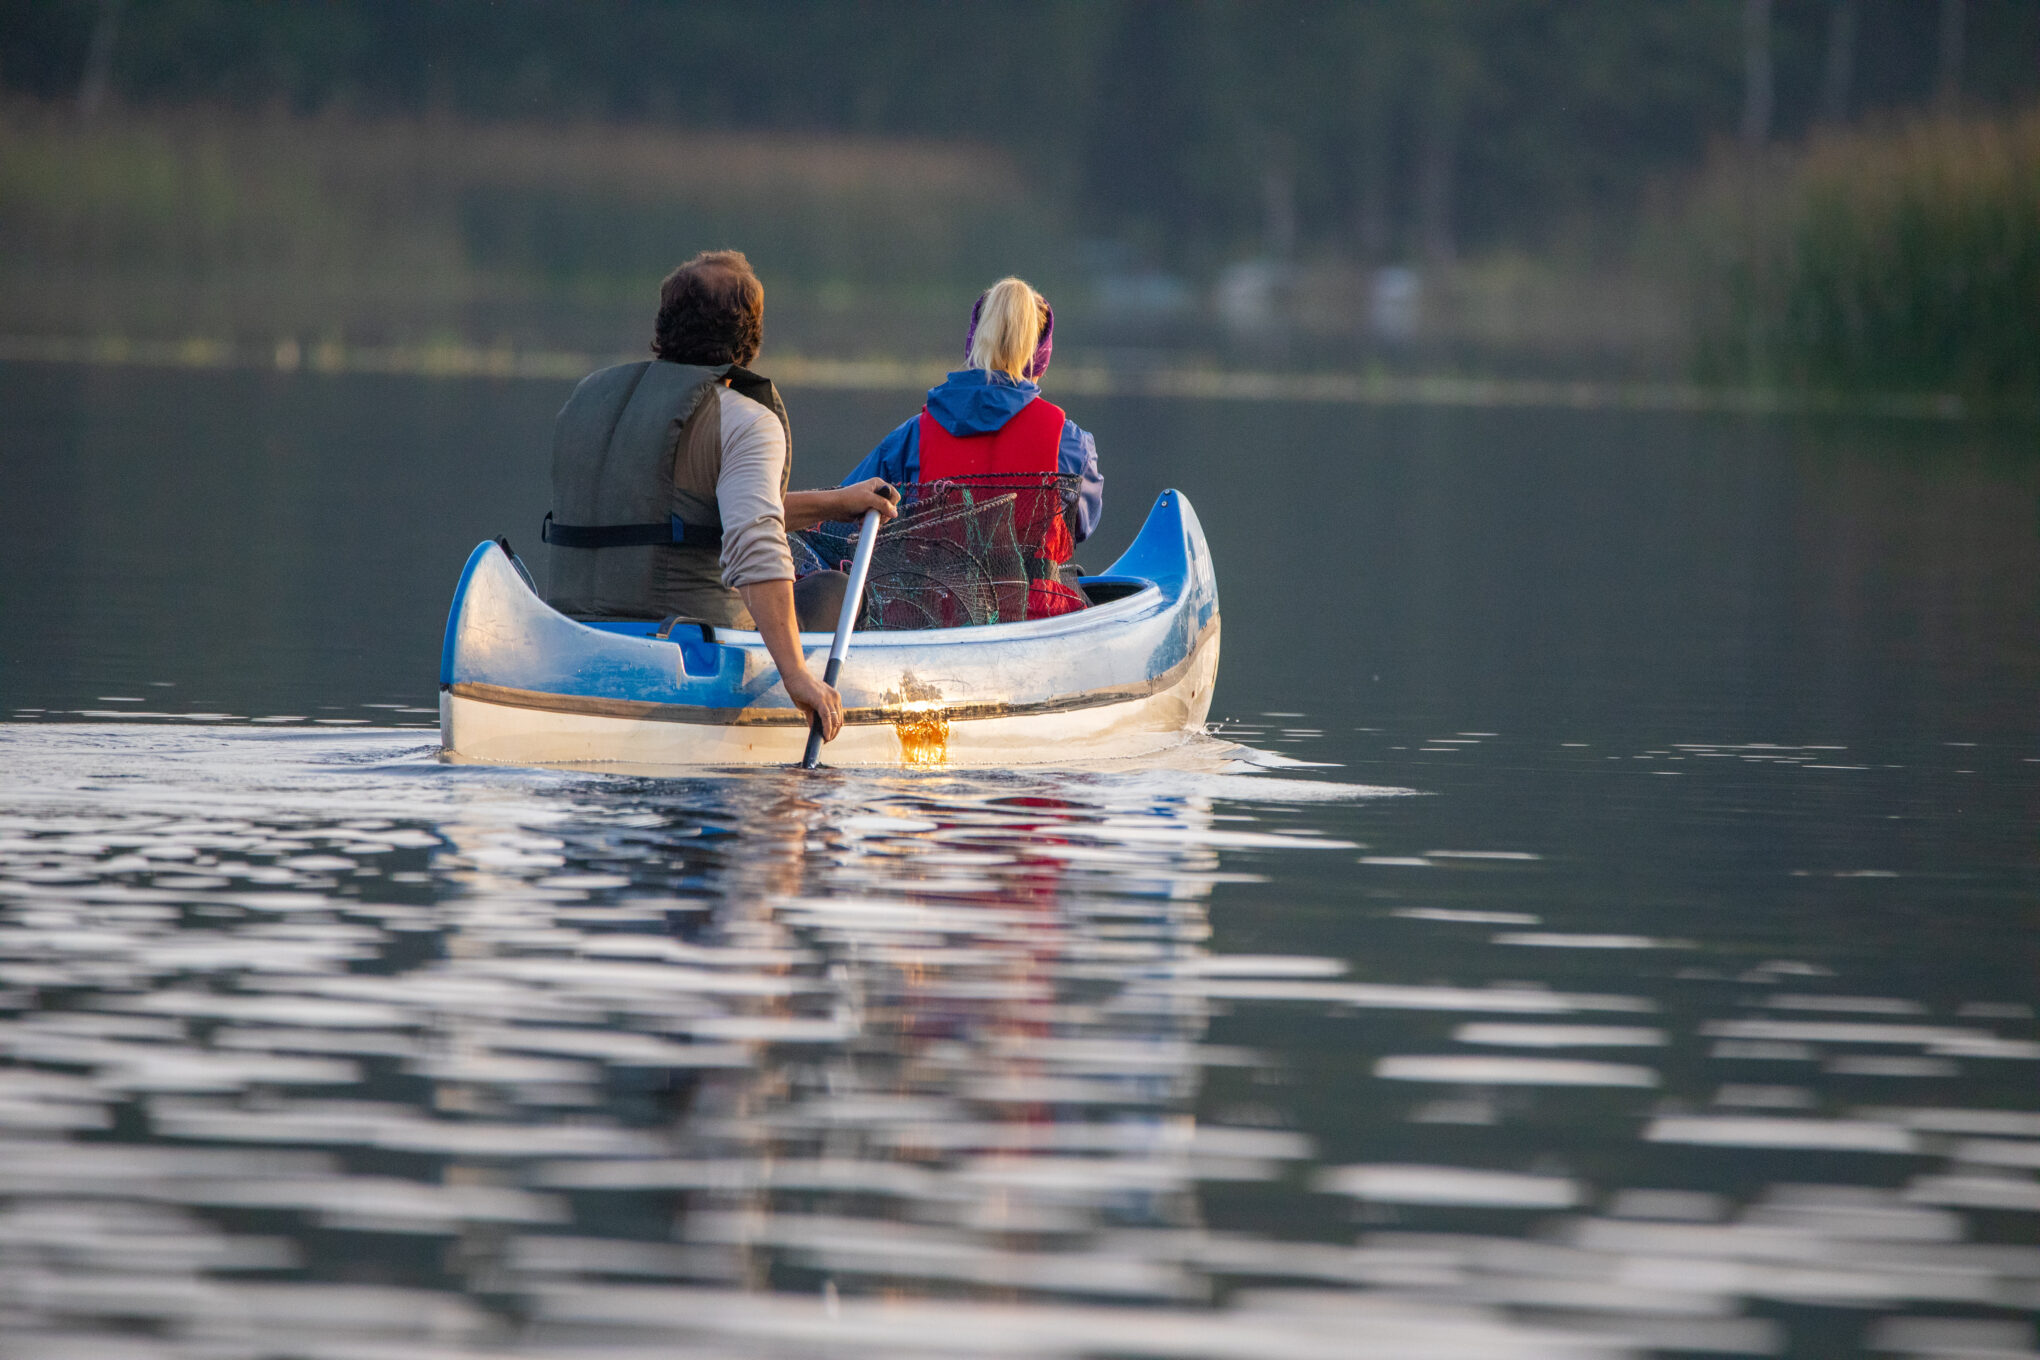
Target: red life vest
<point>1028,444</point>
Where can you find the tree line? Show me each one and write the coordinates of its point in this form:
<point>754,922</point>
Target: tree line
<point>1189,131</point>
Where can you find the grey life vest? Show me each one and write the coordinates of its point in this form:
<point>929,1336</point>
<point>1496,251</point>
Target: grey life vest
<point>634,529</point>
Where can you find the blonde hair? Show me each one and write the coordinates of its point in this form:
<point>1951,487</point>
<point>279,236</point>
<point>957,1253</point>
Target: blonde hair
<point>1010,319</point>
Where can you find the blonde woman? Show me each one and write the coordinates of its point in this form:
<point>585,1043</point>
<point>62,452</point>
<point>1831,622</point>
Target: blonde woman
<point>989,417</point>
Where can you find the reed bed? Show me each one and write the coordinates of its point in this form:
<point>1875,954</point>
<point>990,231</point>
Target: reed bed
<point>174,223</point>
<point>1901,260</point>
<point>431,235</point>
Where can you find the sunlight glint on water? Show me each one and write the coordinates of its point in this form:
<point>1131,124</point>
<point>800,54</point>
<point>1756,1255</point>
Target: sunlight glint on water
<point>316,1047</point>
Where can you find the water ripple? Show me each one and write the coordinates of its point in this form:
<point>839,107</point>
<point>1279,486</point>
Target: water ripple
<point>312,1047</point>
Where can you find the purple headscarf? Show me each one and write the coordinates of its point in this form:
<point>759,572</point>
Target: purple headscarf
<point>1044,347</point>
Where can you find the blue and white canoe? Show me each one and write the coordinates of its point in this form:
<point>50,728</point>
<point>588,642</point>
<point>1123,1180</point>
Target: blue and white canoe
<point>522,684</point>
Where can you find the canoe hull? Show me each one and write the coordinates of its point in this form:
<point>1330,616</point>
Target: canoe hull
<point>522,684</point>
<point>495,731</point>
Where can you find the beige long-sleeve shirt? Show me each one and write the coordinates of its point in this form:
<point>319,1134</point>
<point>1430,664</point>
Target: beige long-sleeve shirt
<point>748,495</point>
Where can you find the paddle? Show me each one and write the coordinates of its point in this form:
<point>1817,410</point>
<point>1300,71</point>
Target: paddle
<point>853,596</point>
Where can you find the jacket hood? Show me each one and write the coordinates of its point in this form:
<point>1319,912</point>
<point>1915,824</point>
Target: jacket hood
<point>972,401</point>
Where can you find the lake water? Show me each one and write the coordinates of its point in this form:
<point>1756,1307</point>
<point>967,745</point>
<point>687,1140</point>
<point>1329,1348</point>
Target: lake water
<point>1643,962</point>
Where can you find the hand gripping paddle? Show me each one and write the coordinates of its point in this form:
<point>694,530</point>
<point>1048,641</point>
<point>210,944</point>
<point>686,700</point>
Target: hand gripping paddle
<point>853,597</point>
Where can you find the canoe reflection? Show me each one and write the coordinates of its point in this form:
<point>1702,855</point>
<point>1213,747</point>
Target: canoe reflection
<point>944,1082</point>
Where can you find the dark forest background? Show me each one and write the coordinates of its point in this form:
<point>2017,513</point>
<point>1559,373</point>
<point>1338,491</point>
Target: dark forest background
<point>1479,182</point>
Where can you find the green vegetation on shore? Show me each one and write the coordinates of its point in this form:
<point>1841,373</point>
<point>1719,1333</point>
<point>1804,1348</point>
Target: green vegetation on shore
<point>1501,190</point>
<point>240,228</point>
<point>198,222</point>
<point>1899,260</point>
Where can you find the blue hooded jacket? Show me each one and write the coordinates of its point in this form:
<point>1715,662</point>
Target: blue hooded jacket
<point>973,401</point>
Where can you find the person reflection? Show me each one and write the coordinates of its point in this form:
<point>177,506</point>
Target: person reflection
<point>956,1099</point>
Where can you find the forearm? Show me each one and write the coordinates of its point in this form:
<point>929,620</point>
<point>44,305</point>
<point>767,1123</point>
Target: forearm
<point>771,606</point>
<point>806,509</point>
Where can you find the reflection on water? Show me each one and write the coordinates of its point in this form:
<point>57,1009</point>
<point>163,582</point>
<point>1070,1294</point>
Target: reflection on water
<point>314,1047</point>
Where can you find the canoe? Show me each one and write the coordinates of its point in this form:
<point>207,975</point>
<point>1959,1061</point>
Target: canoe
<point>522,684</point>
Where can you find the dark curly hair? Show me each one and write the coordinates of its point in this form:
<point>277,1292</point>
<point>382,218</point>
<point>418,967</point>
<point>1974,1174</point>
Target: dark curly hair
<point>711,311</point>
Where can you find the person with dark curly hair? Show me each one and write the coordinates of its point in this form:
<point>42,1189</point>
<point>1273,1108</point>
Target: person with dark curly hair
<point>670,484</point>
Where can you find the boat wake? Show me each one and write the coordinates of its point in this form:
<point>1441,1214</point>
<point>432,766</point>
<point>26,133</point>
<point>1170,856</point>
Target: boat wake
<point>391,772</point>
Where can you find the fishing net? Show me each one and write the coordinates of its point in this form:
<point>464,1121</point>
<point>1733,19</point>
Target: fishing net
<point>974,550</point>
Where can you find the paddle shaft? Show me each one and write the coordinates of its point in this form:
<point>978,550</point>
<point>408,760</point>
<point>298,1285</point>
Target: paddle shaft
<point>853,597</point>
